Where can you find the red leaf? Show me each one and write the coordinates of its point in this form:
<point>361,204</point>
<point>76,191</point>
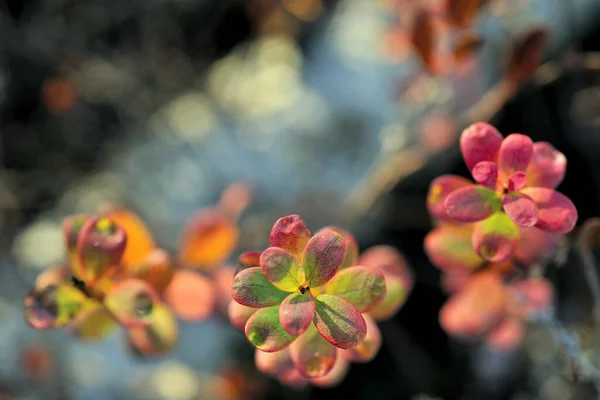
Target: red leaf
<point>514,155</point>
<point>557,213</point>
<point>480,142</point>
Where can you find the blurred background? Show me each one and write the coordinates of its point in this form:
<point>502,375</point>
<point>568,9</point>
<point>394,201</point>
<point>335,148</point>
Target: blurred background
<point>342,111</point>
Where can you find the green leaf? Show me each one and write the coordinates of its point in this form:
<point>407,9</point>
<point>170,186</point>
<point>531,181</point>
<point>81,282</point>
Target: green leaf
<point>94,325</point>
<point>364,287</point>
<point>265,332</point>
<point>296,312</point>
<point>323,256</point>
<point>312,355</point>
<point>395,296</point>
<point>281,269</point>
<point>339,321</point>
<point>251,288</point>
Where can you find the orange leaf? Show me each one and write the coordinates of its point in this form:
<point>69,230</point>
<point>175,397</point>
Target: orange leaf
<point>139,238</point>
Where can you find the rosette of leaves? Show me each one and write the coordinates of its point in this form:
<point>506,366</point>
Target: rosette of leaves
<point>295,294</point>
<point>110,280</point>
<point>515,182</point>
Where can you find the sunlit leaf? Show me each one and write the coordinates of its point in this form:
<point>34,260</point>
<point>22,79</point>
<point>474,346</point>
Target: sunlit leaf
<point>335,376</point>
<point>100,245</point>
<point>296,312</point>
<point>351,257</point>
<point>252,288</point>
<point>520,208</point>
<point>265,332</point>
<point>485,173</point>
<point>515,154</point>
<point>495,238</point>
<point>190,295</point>
<point>557,213</point>
<point>132,302</point>
<point>291,234</point>
<point>339,321</point>
<point>248,259</point>
<point>477,308</point>
<point>96,324</point>
<point>472,203</point>
<point>156,269</point>
<point>323,256</point>
<point>363,287</point>
<point>239,314</point>
<point>547,167</point>
<point>139,238</point>
<point>449,247</point>
<point>282,269</point>
<point>208,239</point>
<point>312,355</point>
<point>368,348</point>
<point>480,142</point>
<point>159,337</point>
<point>439,189</point>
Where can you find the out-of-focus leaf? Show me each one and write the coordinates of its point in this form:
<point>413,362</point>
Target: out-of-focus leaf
<point>508,335</point>
<point>282,269</point>
<point>55,306</point>
<point>363,287</point>
<point>208,239</point>
<point>132,302</point>
<point>335,376</point>
<point>339,321</point>
<point>273,364</point>
<point>235,198</point>
<point>248,259</point>
<point>472,203</point>
<point>397,291</point>
<point>239,314</point>
<point>156,269</point>
<point>291,234</point>
<point>529,296</point>
<point>323,256</point>
<point>462,13</point>
<point>527,56</point>
<point>312,355</point>
<point>557,213</point>
<point>159,337</point>
<point>71,228</point>
<point>368,349</point>
<point>100,245</point>
<point>139,238</point>
<point>495,239</point>
<point>96,324</point>
<point>252,288</point>
<point>265,332</point>
<point>477,308</point>
<point>296,312</point>
<point>190,295</point>
<point>536,245</point>
<point>450,247</point>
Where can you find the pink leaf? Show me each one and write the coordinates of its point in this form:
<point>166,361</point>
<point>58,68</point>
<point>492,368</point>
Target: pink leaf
<point>516,181</point>
<point>351,257</point>
<point>291,234</point>
<point>515,154</point>
<point>472,203</point>
<point>547,167</point>
<point>486,174</point>
<point>520,208</point>
<point>296,313</point>
<point>323,255</point>
<point>439,189</point>
<point>480,142</point>
<point>557,213</point>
